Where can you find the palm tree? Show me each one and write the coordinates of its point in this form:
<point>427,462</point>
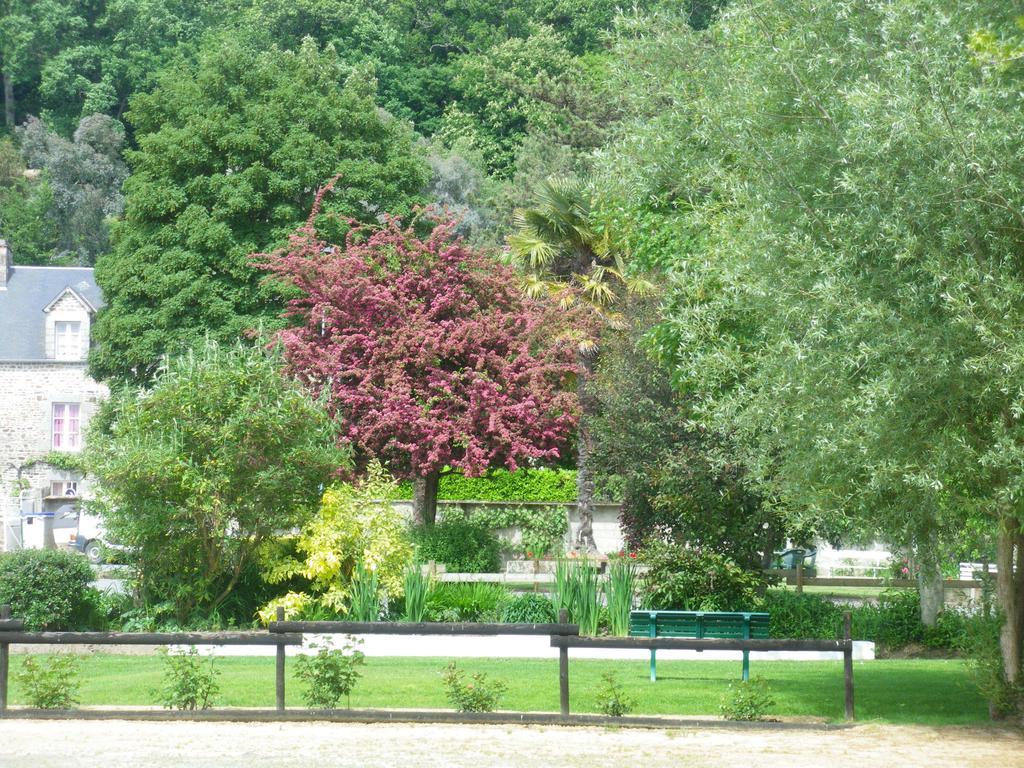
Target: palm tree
<point>564,255</point>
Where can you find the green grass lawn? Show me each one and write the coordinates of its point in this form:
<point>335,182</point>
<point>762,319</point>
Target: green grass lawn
<point>932,692</point>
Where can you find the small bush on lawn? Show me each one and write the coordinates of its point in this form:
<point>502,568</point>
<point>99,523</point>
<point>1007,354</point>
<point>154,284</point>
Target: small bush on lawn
<point>190,682</point>
<point>529,609</point>
<point>463,546</point>
<point>48,588</point>
<point>747,700</point>
<point>49,682</point>
<point>612,699</point>
<point>330,674</point>
<point>475,601</point>
<point>698,580</point>
<point>478,694</point>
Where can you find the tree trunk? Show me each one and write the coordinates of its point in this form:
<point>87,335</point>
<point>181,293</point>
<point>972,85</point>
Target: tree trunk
<point>424,499</point>
<point>932,590</point>
<point>1010,590</point>
<point>585,446</point>
<point>8,100</point>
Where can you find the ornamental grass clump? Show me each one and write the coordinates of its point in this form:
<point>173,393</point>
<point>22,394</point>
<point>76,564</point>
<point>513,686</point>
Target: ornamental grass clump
<point>619,588</point>
<point>365,605</point>
<point>416,586</point>
<point>478,694</point>
<point>577,588</point>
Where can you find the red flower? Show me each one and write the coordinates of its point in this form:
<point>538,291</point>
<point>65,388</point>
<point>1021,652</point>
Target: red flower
<point>632,555</point>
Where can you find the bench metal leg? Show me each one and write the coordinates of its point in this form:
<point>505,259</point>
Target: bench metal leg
<point>746,665</point>
<point>654,674</point>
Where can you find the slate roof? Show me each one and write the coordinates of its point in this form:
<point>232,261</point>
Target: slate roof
<point>29,291</point>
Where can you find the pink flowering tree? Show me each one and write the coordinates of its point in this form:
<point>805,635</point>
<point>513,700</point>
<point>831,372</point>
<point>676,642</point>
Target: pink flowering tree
<point>429,356</point>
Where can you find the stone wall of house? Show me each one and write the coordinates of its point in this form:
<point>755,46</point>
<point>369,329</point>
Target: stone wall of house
<point>28,391</point>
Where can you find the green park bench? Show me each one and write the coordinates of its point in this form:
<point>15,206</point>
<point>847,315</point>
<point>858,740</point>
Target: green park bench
<point>699,624</point>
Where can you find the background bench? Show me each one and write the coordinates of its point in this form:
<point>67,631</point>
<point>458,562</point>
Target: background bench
<point>699,624</point>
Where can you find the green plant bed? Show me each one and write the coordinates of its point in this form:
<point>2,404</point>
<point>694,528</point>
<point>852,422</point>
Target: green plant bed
<point>926,692</point>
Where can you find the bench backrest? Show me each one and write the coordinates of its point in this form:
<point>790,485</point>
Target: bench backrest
<point>716,624</point>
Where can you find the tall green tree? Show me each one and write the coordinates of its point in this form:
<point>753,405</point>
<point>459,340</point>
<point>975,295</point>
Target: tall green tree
<point>848,287</point>
<point>120,49</point>
<point>231,152</point>
<point>30,32</point>
<point>564,254</point>
<point>648,455</point>
<point>197,473</point>
<point>84,176</point>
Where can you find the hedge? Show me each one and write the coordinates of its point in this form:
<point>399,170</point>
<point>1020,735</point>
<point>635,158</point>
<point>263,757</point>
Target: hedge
<point>551,485</point>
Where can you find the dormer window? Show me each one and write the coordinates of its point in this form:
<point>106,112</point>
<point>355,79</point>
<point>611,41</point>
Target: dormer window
<point>67,338</point>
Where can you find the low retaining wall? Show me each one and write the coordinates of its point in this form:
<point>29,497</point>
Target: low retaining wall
<point>525,647</point>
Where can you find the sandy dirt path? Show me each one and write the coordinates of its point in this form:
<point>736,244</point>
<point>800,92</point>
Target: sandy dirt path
<point>122,744</point>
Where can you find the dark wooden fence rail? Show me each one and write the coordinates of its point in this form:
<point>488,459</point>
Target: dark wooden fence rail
<point>12,631</point>
<point>563,636</point>
<point>563,629</point>
<point>844,646</point>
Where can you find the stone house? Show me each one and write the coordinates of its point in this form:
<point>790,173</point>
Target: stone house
<point>46,395</point>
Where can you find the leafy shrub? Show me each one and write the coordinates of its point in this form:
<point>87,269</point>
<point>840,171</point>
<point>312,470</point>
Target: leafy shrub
<point>416,587</point>
<point>952,630</point>
<point>980,643</point>
<point>463,546</point>
<point>355,524</point>
<point>551,485</point>
<point>188,682</point>
<point>48,588</point>
<point>475,601</point>
<point>576,590</point>
<point>193,475</point>
<point>477,695</point>
<point>747,700</point>
<point>802,615</point>
<point>697,580</point>
<point>900,619</point>
<point>530,608</point>
<point>49,682</point>
<point>612,699</point>
<point>330,674</point>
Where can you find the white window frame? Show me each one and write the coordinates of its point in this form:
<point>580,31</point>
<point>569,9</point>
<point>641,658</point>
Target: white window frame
<point>66,427</point>
<point>67,339</point>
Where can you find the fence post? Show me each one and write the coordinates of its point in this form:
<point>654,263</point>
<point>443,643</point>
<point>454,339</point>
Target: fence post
<point>563,668</point>
<point>5,661</point>
<point>848,664</point>
<point>280,667</point>
<point>799,576</point>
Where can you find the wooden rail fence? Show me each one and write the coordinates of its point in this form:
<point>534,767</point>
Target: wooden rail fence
<point>281,634</point>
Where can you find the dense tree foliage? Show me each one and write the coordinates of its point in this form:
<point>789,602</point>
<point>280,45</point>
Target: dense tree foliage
<point>429,356</point>
<point>648,454</point>
<point>841,183</point>
<point>198,472</point>
<point>231,152</point>
<point>84,177</point>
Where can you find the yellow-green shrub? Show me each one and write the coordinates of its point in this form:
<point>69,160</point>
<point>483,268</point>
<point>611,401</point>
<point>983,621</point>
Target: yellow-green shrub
<point>355,524</point>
